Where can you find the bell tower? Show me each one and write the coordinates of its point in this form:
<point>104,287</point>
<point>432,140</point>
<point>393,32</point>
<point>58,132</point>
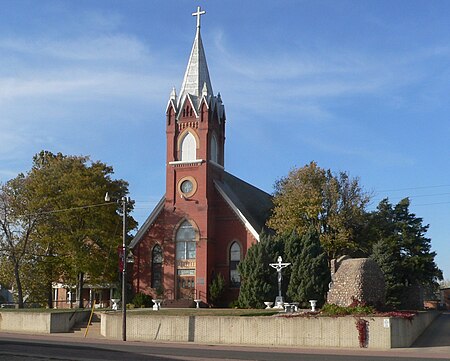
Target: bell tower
<point>195,131</point>
<point>195,127</point>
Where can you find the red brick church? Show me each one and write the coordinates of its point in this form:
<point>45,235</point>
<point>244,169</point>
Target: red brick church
<point>208,218</point>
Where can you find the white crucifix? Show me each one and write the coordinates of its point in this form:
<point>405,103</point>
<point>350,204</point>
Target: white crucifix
<point>199,13</point>
<point>279,266</point>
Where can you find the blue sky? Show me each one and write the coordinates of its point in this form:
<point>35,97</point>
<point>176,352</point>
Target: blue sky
<point>360,86</point>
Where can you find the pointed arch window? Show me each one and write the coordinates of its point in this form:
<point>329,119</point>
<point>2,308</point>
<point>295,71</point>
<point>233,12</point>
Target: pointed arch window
<point>235,258</point>
<point>157,260</point>
<point>185,242</point>
<point>188,147</point>
<point>214,149</point>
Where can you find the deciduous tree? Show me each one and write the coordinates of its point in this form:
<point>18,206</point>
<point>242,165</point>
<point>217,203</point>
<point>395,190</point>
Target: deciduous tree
<point>17,229</point>
<point>333,204</point>
<point>54,220</point>
<point>80,229</point>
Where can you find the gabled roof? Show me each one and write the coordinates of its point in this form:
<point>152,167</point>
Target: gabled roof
<point>250,204</point>
<point>148,222</point>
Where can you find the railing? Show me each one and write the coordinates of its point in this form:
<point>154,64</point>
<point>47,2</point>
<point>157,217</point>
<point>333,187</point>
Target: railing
<point>200,295</point>
<point>9,305</point>
<point>169,294</point>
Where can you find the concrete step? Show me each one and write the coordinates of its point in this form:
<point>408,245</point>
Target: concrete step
<point>181,303</point>
<point>79,329</point>
<point>93,331</point>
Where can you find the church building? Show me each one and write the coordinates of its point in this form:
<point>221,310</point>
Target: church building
<point>208,218</point>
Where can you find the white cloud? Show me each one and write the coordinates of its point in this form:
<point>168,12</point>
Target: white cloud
<point>329,72</point>
<point>81,84</point>
<point>105,48</point>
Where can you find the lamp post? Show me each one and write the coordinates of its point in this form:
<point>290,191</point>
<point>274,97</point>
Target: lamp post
<point>124,201</point>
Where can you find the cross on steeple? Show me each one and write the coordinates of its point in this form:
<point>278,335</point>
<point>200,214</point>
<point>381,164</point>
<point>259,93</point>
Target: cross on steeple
<point>199,13</point>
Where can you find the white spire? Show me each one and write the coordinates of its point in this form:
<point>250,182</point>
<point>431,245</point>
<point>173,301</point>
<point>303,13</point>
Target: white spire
<point>197,74</point>
<point>204,90</point>
<point>173,94</point>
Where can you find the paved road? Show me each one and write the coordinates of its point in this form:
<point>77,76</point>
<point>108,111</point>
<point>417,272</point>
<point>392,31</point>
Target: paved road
<point>15,347</point>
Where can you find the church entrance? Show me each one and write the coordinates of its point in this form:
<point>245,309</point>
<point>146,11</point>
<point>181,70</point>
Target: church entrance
<point>186,260</point>
<point>186,284</point>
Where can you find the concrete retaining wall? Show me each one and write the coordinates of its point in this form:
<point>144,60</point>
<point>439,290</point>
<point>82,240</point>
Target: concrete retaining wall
<point>40,322</point>
<point>279,331</point>
<point>404,332</point>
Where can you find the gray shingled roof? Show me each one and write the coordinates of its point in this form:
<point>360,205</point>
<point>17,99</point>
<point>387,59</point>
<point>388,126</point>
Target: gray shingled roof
<point>251,204</point>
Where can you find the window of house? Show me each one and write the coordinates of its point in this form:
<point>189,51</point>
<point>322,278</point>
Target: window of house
<point>235,258</point>
<point>188,147</point>
<point>185,240</point>
<point>157,259</point>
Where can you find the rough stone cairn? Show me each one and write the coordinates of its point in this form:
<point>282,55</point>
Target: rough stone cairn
<point>359,279</point>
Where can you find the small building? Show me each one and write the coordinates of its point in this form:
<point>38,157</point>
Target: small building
<point>445,298</point>
<point>6,295</point>
<point>66,296</point>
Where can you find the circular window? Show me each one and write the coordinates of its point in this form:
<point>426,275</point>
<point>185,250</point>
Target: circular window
<point>187,186</point>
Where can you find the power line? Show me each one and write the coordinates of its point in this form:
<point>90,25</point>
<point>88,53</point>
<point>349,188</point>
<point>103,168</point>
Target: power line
<point>415,196</point>
<point>430,204</point>
<point>412,188</point>
<point>79,207</point>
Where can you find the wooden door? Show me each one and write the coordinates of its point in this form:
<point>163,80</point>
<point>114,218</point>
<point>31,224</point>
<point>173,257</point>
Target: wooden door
<point>186,286</point>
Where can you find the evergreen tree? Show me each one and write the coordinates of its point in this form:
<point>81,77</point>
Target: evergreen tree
<point>216,289</point>
<point>258,279</point>
<point>387,256</point>
<point>310,275</point>
<point>403,251</point>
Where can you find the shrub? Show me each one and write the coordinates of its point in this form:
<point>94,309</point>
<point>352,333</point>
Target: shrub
<point>142,300</point>
<point>335,310</point>
<point>216,289</point>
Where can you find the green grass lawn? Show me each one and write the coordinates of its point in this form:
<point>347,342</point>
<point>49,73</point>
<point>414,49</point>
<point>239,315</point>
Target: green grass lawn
<point>202,312</point>
<point>46,310</point>
<point>162,311</point>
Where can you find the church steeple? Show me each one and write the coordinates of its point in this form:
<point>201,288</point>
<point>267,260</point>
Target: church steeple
<point>196,79</point>
<point>195,117</point>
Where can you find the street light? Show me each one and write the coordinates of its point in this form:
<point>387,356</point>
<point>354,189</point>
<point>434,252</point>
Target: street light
<point>124,201</point>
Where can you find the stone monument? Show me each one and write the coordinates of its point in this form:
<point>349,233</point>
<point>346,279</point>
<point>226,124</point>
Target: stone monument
<point>356,279</point>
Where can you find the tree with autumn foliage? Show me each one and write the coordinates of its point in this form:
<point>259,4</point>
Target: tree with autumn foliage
<point>333,204</point>
<point>77,234</point>
<point>18,246</point>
